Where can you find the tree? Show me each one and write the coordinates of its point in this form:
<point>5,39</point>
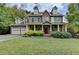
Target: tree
<point>8,15</point>
<point>73,12</point>
<point>73,17</point>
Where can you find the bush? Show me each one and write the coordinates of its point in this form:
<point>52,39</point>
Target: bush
<point>61,35</point>
<point>29,33</point>
<point>72,32</point>
<point>76,35</point>
<point>33,33</point>
<point>38,33</point>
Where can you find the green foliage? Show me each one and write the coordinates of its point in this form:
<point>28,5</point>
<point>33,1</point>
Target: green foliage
<point>61,35</point>
<point>74,27</point>
<point>73,18</point>
<point>38,33</point>
<point>33,33</point>
<point>73,14</point>
<point>76,35</point>
<point>72,32</point>
<point>29,32</point>
<point>8,15</point>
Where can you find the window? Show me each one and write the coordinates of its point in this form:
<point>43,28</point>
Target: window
<point>39,20</point>
<point>32,19</point>
<point>52,19</point>
<point>36,19</point>
<point>38,27</point>
<point>45,18</point>
<point>54,28</point>
<point>57,19</point>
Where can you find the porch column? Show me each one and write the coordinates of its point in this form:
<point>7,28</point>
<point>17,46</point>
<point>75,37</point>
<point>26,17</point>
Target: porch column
<point>58,27</point>
<point>42,27</point>
<point>66,27</point>
<point>50,28</point>
<point>34,28</point>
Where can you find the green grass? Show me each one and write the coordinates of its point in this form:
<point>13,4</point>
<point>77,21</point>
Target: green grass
<point>39,46</point>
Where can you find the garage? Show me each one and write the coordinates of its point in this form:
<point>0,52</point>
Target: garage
<point>17,29</point>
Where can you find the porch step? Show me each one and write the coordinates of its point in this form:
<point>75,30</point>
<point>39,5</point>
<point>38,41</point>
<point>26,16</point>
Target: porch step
<point>46,35</point>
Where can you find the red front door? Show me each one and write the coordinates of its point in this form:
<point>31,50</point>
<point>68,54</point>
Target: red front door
<point>46,29</point>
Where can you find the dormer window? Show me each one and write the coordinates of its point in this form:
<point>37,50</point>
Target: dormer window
<point>36,10</point>
<point>54,10</point>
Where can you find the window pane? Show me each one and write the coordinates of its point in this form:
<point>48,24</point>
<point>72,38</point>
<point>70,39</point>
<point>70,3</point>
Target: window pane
<point>38,27</point>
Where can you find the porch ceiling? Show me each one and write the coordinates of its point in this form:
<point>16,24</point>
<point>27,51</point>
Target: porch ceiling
<point>46,23</point>
<point>38,24</point>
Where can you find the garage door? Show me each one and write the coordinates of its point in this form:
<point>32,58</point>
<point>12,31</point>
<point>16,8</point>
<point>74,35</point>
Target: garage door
<point>17,30</point>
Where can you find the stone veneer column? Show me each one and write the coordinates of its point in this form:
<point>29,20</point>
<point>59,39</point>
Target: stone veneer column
<point>58,27</point>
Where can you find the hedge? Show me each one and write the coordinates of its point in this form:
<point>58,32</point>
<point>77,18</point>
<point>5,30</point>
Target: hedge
<point>33,33</point>
<point>61,35</point>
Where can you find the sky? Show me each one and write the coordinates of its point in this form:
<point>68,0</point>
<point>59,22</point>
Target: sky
<point>62,7</point>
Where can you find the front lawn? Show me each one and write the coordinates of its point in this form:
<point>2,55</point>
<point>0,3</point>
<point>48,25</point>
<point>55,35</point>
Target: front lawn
<point>39,46</point>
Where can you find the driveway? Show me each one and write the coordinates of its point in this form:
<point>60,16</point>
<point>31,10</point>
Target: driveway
<point>8,37</point>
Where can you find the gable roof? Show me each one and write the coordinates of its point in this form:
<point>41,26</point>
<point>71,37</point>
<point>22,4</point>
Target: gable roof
<point>35,8</point>
<point>45,13</point>
<point>55,8</point>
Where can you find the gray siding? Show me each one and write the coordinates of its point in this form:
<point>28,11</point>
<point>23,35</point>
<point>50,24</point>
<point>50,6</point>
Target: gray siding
<point>56,19</point>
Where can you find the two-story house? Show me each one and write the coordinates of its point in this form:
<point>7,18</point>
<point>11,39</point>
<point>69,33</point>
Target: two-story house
<point>44,21</point>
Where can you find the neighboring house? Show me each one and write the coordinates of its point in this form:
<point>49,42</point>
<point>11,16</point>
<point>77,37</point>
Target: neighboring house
<point>44,21</point>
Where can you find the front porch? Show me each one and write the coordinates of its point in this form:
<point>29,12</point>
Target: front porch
<point>48,28</point>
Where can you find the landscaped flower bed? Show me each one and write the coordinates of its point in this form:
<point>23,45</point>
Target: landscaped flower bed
<point>33,33</point>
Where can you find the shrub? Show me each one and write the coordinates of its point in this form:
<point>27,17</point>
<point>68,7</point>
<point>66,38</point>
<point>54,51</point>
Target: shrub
<point>33,33</point>
<point>72,32</point>
<point>76,35</point>
<point>38,33</point>
<point>61,35</point>
<point>29,32</point>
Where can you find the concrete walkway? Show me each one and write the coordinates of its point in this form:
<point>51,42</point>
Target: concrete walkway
<point>8,37</point>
